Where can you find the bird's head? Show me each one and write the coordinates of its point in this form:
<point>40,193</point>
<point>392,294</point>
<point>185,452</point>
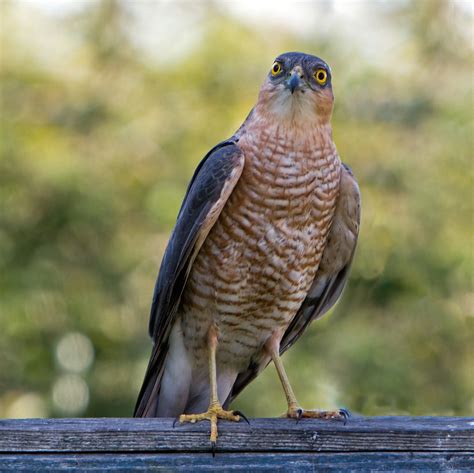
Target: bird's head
<point>298,88</point>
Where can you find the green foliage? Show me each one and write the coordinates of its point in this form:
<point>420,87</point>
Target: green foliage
<point>95,159</point>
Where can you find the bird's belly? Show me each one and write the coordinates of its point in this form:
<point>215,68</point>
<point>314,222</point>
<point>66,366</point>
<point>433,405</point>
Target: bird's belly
<point>249,278</point>
<point>247,292</point>
<point>257,264</point>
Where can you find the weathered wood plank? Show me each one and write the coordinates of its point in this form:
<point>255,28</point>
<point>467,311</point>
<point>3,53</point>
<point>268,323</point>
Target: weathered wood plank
<point>374,434</point>
<point>287,462</point>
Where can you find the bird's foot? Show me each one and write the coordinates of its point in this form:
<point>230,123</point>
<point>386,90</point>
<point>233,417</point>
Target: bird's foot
<point>296,412</point>
<point>214,412</point>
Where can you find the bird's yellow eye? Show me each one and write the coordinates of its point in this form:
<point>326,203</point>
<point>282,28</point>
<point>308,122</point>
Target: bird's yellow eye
<point>321,76</point>
<point>276,68</point>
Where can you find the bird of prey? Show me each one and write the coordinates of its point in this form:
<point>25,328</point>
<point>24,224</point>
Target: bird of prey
<point>262,246</point>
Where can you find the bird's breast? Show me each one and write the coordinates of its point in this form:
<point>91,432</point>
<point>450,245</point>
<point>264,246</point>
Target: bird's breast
<point>260,258</point>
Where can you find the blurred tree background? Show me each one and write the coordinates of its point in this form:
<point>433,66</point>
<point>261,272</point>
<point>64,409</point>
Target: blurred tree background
<point>107,107</point>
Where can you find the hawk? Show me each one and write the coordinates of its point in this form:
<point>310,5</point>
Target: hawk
<point>262,246</point>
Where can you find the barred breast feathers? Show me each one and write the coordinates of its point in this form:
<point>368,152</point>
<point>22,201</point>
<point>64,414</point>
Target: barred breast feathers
<point>256,265</point>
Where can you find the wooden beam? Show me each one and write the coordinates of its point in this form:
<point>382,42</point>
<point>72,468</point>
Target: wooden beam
<point>364,442</point>
<point>245,462</point>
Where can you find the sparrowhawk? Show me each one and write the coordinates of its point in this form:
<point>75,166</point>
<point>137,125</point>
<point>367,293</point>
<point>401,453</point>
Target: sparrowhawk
<point>262,246</point>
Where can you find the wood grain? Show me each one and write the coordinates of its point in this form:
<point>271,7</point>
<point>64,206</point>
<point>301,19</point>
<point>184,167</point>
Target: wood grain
<point>376,443</point>
<point>201,462</point>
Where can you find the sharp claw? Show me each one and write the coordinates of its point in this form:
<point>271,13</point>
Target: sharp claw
<point>213,448</point>
<point>299,415</point>
<point>238,413</point>
<point>345,414</point>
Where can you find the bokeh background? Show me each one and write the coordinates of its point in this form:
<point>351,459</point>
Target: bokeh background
<point>107,107</point>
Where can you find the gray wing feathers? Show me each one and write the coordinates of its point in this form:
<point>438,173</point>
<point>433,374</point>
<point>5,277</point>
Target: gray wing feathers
<point>222,166</point>
<point>331,276</point>
<point>210,187</point>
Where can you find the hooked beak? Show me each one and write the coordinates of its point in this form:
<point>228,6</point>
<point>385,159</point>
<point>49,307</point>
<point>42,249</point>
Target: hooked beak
<point>293,82</point>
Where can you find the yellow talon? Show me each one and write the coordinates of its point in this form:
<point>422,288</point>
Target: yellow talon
<point>294,410</point>
<point>299,413</point>
<point>214,412</point>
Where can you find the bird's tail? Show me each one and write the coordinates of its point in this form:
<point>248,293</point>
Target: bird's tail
<point>147,402</point>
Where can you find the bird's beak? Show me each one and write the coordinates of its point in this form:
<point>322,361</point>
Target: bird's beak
<point>294,81</point>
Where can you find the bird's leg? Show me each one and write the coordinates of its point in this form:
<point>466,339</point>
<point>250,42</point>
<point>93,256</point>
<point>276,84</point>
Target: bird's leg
<point>294,410</point>
<point>215,410</point>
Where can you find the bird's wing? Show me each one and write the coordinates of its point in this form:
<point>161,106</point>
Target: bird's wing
<point>212,184</point>
<point>331,276</point>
